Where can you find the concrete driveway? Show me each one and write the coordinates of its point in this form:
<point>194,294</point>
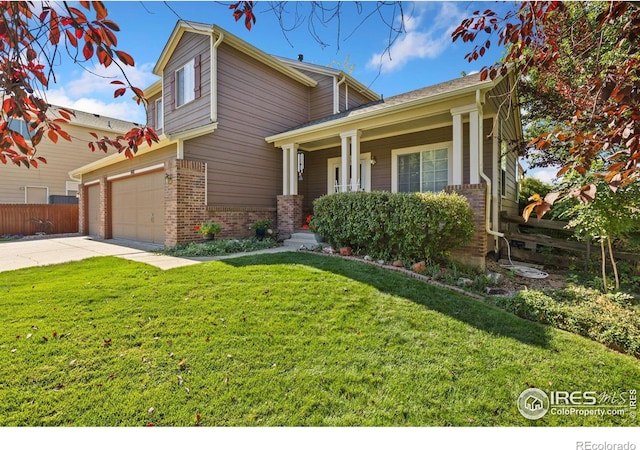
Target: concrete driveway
<point>40,252</point>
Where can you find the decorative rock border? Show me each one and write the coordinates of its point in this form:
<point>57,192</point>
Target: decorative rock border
<point>401,270</point>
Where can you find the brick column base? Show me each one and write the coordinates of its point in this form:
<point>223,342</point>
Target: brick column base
<point>184,200</point>
<point>475,251</point>
<point>104,224</point>
<point>83,213</point>
<point>290,216</point>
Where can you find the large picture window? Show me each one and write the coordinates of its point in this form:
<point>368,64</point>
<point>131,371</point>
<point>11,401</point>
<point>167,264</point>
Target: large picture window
<point>421,169</point>
<point>185,84</point>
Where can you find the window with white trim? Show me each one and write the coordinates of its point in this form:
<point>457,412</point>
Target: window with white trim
<point>71,188</point>
<point>421,169</point>
<point>158,112</point>
<point>185,84</point>
<point>20,126</point>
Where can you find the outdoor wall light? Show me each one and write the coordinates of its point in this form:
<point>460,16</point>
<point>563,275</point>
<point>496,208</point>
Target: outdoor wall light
<point>373,161</point>
<point>300,165</point>
<point>168,178</point>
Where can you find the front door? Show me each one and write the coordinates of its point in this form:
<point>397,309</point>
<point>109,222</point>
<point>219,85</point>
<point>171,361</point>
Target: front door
<point>334,171</point>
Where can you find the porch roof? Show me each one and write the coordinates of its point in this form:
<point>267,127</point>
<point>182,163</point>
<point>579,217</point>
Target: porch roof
<point>398,103</point>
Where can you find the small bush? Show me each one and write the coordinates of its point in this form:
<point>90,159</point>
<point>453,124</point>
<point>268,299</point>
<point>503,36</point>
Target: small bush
<point>606,318</point>
<point>410,227</point>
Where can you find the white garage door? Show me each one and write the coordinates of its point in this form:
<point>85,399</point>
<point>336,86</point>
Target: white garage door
<point>137,208</point>
<point>93,209</point>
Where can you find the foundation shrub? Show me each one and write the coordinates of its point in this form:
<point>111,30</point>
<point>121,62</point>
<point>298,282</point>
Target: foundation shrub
<point>410,227</point>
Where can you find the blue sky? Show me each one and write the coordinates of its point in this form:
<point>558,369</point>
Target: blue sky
<point>421,56</point>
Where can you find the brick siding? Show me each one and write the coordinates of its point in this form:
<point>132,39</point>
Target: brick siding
<point>235,222</point>
<point>184,201</point>
<point>290,217</point>
<point>473,253</point>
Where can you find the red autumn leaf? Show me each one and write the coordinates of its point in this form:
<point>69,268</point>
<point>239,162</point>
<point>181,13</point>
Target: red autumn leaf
<point>87,50</point>
<point>125,58</point>
<point>99,8</point>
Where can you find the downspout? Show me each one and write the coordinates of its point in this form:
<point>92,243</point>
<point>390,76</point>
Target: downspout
<point>486,179</point>
<point>214,76</point>
<point>336,96</point>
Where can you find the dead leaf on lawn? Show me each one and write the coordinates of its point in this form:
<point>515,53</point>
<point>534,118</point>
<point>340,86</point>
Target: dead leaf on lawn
<point>180,380</point>
<point>151,410</point>
<point>72,362</point>
<point>107,343</point>
<point>29,336</point>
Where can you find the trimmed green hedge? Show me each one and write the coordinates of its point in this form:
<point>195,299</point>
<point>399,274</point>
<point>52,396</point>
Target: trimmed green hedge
<point>606,318</point>
<point>410,227</point>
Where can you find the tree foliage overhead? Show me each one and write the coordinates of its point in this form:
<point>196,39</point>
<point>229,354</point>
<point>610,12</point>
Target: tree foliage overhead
<point>33,36</point>
<point>588,57</point>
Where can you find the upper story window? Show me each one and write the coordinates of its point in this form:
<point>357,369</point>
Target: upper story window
<point>19,126</point>
<point>185,84</point>
<point>158,115</point>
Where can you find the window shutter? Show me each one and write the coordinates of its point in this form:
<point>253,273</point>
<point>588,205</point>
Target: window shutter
<point>152,114</point>
<point>172,90</point>
<point>197,77</point>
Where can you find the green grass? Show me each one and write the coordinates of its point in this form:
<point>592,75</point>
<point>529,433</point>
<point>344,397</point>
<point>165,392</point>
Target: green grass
<point>285,339</point>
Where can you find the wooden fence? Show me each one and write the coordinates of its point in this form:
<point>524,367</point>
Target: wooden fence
<point>33,219</point>
<point>531,242</point>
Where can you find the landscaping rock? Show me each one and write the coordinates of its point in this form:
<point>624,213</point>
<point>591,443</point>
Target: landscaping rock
<point>495,278</point>
<point>381,262</point>
<point>368,258</point>
<point>496,291</point>
<point>328,250</point>
<point>345,251</point>
<point>465,282</point>
<point>420,267</point>
<point>398,264</point>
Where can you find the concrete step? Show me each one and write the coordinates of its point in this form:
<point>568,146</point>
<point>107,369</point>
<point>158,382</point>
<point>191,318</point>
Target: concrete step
<point>300,238</point>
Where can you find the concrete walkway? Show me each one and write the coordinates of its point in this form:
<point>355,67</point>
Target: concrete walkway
<point>41,252</point>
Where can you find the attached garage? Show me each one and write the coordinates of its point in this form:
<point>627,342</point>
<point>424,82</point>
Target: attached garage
<point>137,207</point>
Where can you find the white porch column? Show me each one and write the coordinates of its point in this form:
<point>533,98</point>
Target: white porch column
<point>285,170</point>
<point>355,162</point>
<point>289,169</point>
<point>457,149</point>
<point>474,146</point>
<point>344,175</point>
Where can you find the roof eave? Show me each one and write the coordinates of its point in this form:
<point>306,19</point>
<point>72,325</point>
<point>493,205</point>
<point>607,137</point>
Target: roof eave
<point>183,26</point>
<point>108,160</point>
<point>484,85</point>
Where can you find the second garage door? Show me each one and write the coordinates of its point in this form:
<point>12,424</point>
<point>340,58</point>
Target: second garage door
<point>137,208</point>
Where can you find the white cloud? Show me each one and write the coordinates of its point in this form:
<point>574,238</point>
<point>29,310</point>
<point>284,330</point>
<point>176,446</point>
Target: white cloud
<point>547,175</point>
<point>126,109</point>
<point>420,41</point>
<point>93,92</point>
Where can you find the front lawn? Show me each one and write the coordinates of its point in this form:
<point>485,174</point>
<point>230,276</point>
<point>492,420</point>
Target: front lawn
<point>284,339</point>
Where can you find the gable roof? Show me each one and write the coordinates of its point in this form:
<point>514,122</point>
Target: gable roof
<point>429,94</point>
<point>330,71</point>
<point>93,121</point>
<point>214,31</point>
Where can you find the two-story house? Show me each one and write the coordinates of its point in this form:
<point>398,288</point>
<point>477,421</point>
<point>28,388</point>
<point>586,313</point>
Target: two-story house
<point>246,135</point>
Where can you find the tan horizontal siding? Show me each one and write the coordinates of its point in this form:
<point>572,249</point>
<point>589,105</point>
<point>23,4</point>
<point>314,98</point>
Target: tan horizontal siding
<point>61,158</point>
<point>197,112</point>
